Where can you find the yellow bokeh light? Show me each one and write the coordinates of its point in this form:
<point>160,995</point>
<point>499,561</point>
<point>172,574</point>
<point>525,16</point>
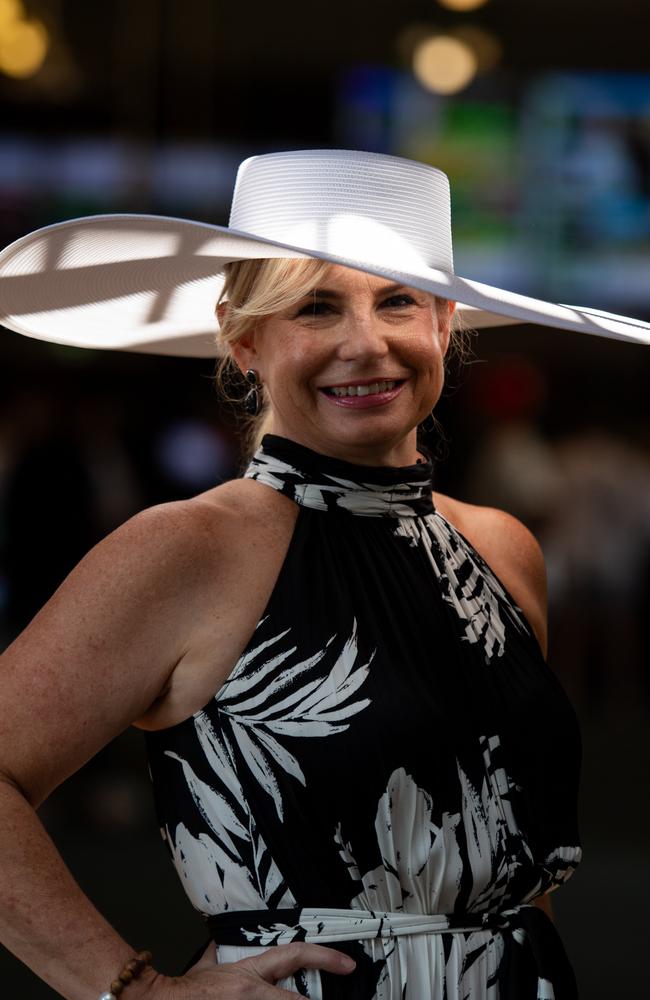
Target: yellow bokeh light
<point>10,11</point>
<point>462,4</point>
<point>444,64</point>
<point>23,48</point>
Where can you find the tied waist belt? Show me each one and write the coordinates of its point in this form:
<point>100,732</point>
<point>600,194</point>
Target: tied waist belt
<point>534,964</point>
<point>325,925</point>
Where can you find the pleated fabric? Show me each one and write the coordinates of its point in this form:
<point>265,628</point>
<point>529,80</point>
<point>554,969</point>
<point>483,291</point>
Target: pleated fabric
<point>391,767</point>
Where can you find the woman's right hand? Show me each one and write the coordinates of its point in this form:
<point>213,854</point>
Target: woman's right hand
<point>252,978</point>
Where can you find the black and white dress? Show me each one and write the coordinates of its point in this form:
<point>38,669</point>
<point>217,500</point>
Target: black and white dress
<point>391,767</point>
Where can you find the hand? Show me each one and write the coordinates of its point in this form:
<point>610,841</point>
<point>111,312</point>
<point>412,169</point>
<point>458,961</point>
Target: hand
<point>251,978</point>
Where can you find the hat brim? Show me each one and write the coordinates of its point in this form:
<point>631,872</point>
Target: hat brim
<point>149,283</point>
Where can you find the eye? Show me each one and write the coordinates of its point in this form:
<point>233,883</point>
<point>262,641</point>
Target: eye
<point>399,300</point>
<point>313,309</point>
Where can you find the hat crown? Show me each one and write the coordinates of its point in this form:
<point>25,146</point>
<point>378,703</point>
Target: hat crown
<point>351,204</point>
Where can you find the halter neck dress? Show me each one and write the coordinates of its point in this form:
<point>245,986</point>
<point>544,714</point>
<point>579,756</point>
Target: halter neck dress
<point>390,768</point>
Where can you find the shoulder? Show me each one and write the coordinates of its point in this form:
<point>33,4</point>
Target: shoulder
<point>200,525</point>
<point>197,546</point>
<point>497,535</point>
<point>181,547</point>
<point>511,551</point>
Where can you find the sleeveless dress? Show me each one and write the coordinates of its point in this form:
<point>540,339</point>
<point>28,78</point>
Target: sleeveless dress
<point>391,766</point>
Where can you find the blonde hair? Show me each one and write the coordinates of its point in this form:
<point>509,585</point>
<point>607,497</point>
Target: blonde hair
<point>258,288</point>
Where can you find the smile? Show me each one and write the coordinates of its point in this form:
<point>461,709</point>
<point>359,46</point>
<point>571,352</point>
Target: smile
<point>368,394</point>
<point>361,390</point>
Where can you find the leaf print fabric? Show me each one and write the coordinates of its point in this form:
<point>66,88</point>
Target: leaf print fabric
<point>309,698</point>
<point>425,863</point>
<point>463,584</point>
<point>317,706</point>
<point>384,496</point>
<point>416,853</point>
<point>391,768</point>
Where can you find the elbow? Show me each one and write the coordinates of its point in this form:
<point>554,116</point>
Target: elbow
<point>10,784</point>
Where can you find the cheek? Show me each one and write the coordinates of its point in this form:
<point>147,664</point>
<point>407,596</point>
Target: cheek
<point>297,362</point>
<point>426,360</point>
<point>424,351</point>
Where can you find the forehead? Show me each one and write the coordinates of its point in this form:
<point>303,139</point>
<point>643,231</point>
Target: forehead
<point>346,280</point>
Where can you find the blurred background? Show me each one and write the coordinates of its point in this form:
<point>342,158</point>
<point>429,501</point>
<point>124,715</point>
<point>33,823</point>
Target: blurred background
<point>539,111</point>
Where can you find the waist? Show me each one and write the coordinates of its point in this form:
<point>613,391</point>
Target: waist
<point>328,925</point>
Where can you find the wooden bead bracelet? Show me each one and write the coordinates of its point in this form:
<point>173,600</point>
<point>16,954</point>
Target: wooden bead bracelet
<point>131,971</point>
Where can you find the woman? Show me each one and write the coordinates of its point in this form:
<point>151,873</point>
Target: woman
<point>357,748</point>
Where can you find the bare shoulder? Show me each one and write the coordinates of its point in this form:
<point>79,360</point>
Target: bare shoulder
<point>203,526</point>
<point>167,542</point>
<point>511,551</point>
<point>173,557</point>
<point>105,646</point>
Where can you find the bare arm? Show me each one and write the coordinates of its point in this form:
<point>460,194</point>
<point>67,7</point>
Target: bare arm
<point>45,919</point>
<point>90,663</point>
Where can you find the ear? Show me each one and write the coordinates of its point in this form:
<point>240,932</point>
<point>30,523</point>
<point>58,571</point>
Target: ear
<point>221,311</point>
<point>245,351</point>
<point>445,328</point>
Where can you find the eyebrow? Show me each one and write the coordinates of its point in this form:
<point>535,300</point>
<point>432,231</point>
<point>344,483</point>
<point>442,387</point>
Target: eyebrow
<point>331,293</point>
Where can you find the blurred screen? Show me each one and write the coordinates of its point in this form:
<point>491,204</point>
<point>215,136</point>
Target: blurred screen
<point>550,187</point>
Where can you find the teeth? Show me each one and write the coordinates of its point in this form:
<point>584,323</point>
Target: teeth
<point>362,390</point>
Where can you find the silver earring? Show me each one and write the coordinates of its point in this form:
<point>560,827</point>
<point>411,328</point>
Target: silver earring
<point>252,401</point>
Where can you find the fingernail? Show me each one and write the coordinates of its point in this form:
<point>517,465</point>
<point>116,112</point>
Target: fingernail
<point>349,963</point>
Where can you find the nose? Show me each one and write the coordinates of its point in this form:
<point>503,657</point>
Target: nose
<point>362,339</point>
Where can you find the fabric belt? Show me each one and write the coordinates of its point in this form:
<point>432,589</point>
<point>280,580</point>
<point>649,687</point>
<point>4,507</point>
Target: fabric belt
<point>534,966</point>
<point>326,925</point>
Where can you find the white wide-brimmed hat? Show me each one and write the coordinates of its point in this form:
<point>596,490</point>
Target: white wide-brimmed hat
<point>149,283</point>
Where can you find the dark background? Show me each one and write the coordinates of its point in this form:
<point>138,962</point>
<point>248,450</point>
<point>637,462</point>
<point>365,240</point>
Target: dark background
<point>148,105</point>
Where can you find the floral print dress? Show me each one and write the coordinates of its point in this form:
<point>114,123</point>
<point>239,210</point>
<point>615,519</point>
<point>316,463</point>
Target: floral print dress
<point>391,766</point>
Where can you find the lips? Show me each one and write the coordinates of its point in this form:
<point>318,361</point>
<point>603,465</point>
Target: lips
<point>358,389</point>
<point>361,395</point>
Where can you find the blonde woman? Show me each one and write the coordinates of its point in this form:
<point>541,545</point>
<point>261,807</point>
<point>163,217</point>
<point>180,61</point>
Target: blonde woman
<point>365,772</point>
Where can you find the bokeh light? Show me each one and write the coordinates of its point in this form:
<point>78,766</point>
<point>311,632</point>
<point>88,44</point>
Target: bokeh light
<point>462,4</point>
<point>444,64</point>
<point>23,43</point>
<point>10,11</point>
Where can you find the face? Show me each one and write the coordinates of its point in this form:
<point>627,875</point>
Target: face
<point>352,368</point>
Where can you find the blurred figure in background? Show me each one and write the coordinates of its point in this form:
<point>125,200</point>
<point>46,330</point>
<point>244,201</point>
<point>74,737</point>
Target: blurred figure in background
<point>513,466</point>
<point>596,550</point>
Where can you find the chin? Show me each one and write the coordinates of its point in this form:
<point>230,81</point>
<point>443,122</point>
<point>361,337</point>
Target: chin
<point>374,435</point>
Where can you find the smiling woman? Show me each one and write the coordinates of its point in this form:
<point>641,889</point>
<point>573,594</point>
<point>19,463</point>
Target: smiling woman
<point>356,746</point>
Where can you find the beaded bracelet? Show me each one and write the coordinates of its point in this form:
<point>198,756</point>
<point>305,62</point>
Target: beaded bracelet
<point>131,970</point>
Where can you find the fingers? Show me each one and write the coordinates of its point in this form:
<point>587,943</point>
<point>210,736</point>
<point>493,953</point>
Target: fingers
<point>285,959</point>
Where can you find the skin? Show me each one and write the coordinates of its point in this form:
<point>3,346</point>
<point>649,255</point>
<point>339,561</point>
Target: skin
<point>147,627</point>
<point>367,333</point>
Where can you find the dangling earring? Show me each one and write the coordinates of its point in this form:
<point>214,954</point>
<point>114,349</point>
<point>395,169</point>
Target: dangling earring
<point>252,402</point>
